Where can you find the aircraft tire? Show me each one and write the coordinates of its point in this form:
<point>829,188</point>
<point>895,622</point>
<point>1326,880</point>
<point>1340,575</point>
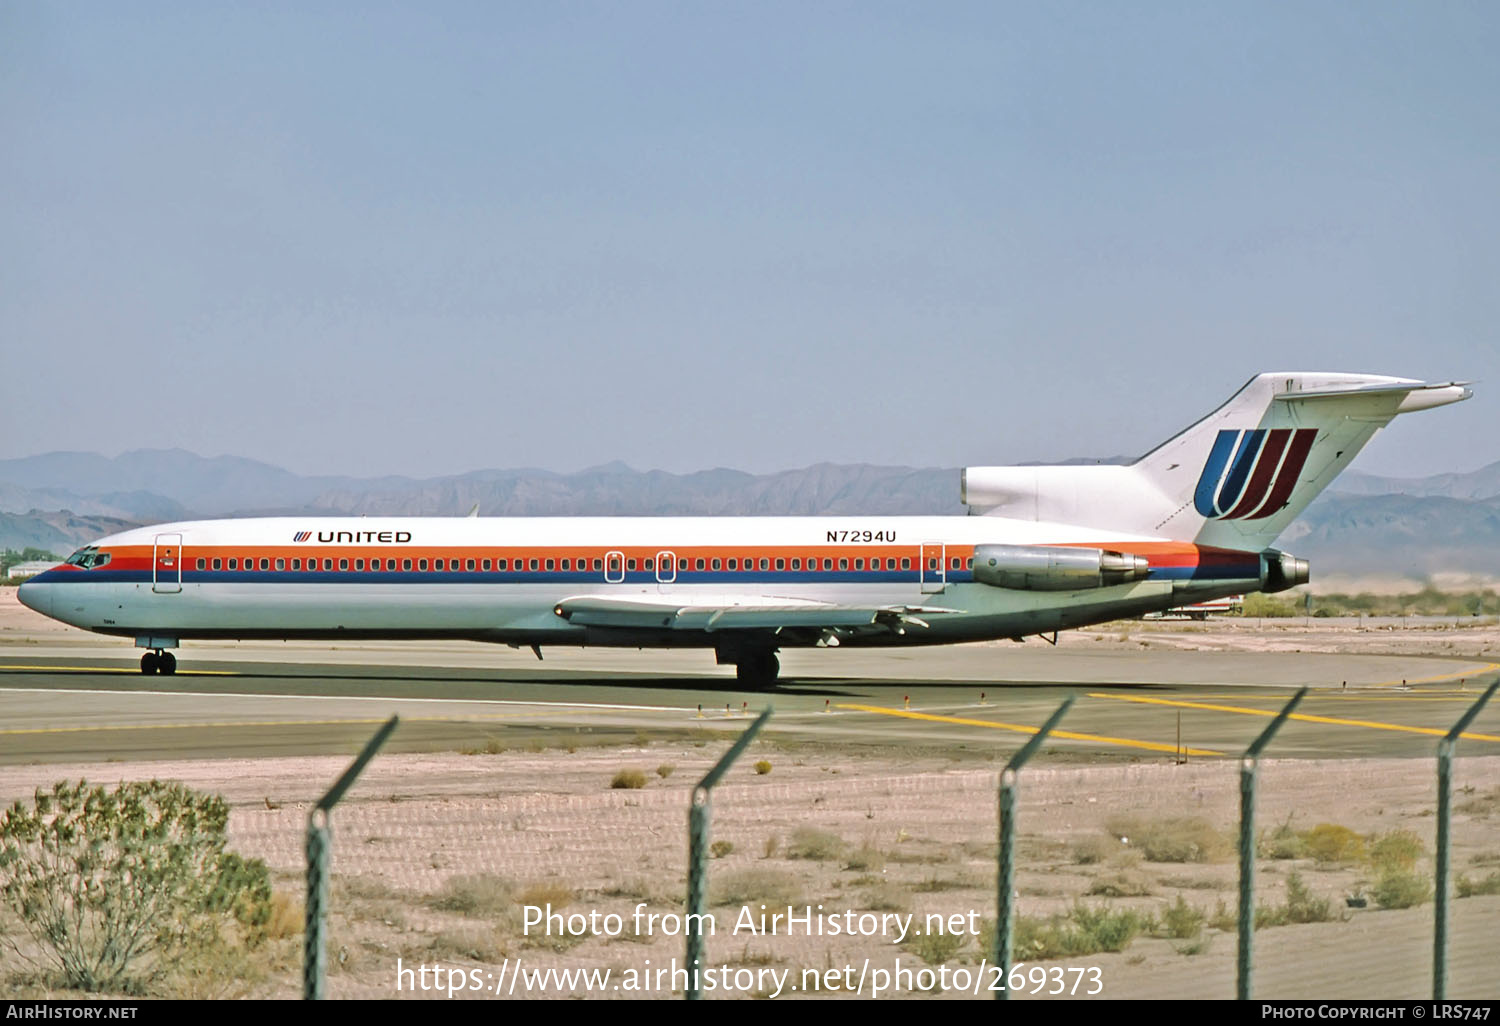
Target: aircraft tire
<point>758,671</point>
<point>167,663</point>
<point>149,663</point>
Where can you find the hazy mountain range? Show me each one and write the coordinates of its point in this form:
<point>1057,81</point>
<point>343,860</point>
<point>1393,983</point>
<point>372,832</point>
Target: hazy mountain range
<point>1447,523</point>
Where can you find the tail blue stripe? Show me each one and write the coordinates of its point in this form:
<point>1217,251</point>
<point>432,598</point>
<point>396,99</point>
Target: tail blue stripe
<point>1203,498</point>
<point>1239,473</point>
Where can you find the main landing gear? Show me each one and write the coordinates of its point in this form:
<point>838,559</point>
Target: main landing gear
<point>757,670</point>
<point>159,661</point>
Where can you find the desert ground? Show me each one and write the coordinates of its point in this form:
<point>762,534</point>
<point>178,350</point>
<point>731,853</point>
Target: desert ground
<point>437,857</point>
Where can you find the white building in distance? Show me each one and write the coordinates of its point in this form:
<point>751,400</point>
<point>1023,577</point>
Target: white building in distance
<point>32,568</point>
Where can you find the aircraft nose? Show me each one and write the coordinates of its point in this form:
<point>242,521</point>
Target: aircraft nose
<point>36,596</point>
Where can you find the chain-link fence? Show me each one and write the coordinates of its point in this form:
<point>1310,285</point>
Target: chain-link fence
<point>837,870</point>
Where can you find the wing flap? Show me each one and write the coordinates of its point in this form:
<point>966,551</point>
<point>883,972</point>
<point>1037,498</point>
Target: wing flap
<point>760,613</point>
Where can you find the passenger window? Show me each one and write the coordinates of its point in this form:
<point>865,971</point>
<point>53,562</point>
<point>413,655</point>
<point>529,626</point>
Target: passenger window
<point>931,562</point>
<point>969,563</point>
<point>630,564</point>
<point>343,564</point>
<point>234,564</point>
<point>406,564</point>
<point>217,563</point>
<point>859,564</point>
<point>699,564</point>
<point>797,563</point>
<point>265,564</point>
<point>955,563</point>
<point>421,564</point>
<point>734,564</point>
<point>781,564</point>
<point>598,564</point>
<point>874,564</point>
<point>650,564</point>
<point>533,564</point>
<point>296,564</point>
<point>201,564</point>
<point>906,562</point>
<point>765,564</point>
<point>551,564</point>
<point>682,564</point>
<point>469,564</point>
<point>843,564</point>
<point>716,564</point>
<point>374,565</point>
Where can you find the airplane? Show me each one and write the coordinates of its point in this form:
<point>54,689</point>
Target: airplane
<point>1044,549</point>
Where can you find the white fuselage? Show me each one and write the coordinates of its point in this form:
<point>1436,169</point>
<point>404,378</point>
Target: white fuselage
<point>506,580</point>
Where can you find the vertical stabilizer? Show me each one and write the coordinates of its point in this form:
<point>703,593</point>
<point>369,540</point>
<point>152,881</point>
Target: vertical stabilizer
<point>1236,478</point>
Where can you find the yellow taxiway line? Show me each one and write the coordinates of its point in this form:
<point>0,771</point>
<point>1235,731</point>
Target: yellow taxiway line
<point>1304,717</point>
<point>1021,729</point>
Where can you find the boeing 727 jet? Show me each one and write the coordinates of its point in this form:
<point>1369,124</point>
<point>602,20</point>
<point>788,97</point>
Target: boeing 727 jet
<point>1056,547</point>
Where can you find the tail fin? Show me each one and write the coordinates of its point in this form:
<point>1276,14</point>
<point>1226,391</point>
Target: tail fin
<point>1236,478</point>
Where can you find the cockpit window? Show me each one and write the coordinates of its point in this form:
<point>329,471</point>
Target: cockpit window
<point>88,558</point>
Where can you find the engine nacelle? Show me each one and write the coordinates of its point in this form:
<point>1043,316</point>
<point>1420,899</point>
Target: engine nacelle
<point>1280,571</point>
<point>1055,567</point>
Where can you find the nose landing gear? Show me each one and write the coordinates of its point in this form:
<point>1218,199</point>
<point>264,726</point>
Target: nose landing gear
<point>159,661</point>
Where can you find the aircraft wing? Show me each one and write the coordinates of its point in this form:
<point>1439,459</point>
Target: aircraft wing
<point>744,613</point>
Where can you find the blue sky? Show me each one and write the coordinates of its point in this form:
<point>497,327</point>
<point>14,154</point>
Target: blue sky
<point>387,239</point>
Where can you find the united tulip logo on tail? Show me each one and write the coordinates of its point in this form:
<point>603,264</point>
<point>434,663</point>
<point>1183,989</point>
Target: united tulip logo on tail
<point>1250,474</point>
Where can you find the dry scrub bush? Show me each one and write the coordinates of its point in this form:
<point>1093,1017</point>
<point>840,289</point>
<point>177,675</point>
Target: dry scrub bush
<point>1178,839</point>
<point>629,780</point>
<point>755,887</point>
<point>1399,889</point>
<point>479,895</point>
<point>1331,843</point>
<point>817,845</point>
<point>1084,930</point>
<point>1396,851</point>
<point>1467,888</point>
<point>116,887</point>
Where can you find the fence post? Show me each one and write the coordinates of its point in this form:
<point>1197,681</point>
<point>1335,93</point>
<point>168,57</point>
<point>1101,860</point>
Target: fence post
<point>1446,751</point>
<point>1247,846</point>
<point>699,816</point>
<point>319,853</point>
<point>1005,910</point>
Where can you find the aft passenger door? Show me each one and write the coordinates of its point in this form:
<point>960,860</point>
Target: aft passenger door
<point>933,569</point>
<point>166,564</point>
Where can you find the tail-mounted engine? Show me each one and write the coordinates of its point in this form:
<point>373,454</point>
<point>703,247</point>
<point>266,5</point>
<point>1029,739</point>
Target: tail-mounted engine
<point>1280,571</point>
<point>1055,567</point>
